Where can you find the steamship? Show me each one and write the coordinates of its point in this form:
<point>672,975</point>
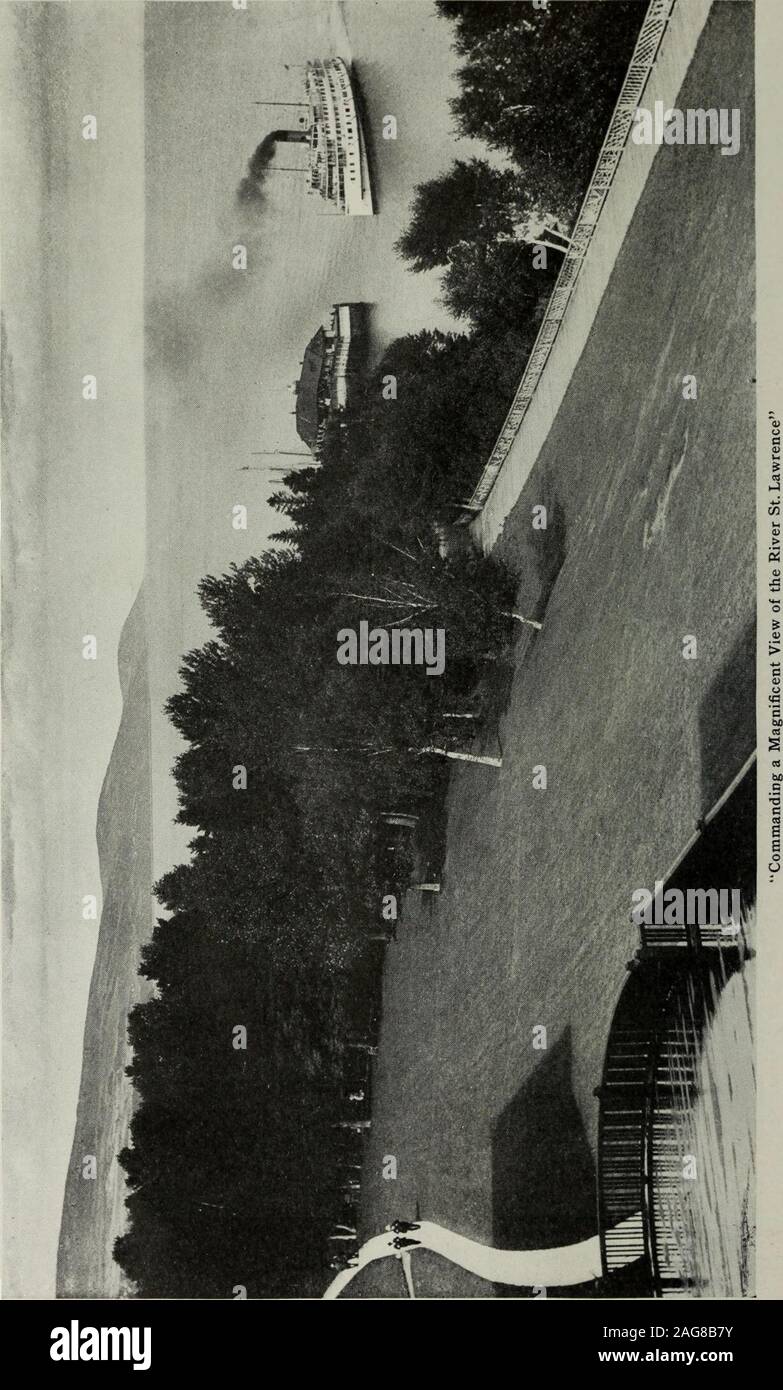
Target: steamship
<point>332,362</point>
<point>337,167</point>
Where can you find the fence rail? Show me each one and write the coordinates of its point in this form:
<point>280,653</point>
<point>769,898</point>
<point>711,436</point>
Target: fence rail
<point>647,1090</point>
<point>644,55</point>
<point>623,1126</point>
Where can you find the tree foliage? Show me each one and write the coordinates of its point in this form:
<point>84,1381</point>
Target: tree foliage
<point>540,85</point>
<point>472,202</point>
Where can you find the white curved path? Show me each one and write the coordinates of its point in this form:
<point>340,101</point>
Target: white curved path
<point>559,1267</point>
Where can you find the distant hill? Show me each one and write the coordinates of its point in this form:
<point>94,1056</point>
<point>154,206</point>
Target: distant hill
<point>93,1210</point>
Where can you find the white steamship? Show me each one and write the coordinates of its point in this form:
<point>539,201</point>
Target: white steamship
<point>337,166</point>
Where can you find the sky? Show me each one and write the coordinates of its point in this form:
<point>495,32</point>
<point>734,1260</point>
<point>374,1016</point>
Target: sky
<point>73,546</point>
<point>117,263</point>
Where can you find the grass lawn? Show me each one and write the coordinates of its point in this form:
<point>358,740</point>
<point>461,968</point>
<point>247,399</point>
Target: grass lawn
<point>653,497</point>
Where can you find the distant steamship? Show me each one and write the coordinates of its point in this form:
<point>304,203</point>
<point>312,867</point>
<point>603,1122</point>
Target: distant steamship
<point>333,360</point>
<point>337,166</point>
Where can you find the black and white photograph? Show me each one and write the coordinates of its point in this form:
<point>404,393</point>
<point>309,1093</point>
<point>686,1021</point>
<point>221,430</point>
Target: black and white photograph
<point>391,674</point>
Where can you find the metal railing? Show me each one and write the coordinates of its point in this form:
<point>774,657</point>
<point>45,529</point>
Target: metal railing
<point>624,1118</point>
<point>639,68</point>
<point>647,1090</point>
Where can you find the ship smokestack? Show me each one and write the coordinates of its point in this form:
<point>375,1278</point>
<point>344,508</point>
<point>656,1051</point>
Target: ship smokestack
<point>291,137</point>
<point>249,190</point>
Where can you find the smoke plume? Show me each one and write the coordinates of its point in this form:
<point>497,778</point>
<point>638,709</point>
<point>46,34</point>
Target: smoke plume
<point>251,187</point>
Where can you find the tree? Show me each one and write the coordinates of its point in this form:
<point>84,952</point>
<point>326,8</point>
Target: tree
<point>541,86</point>
<point>473,202</point>
<point>497,285</point>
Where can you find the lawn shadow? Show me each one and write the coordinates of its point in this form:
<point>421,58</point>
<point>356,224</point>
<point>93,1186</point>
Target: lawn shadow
<point>727,719</point>
<point>537,568</point>
<point>431,838</point>
<point>493,692</point>
<point>550,552</point>
<point>543,1173</point>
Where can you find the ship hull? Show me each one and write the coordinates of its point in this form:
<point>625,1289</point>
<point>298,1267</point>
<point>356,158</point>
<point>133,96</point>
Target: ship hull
<point>361,199</point>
